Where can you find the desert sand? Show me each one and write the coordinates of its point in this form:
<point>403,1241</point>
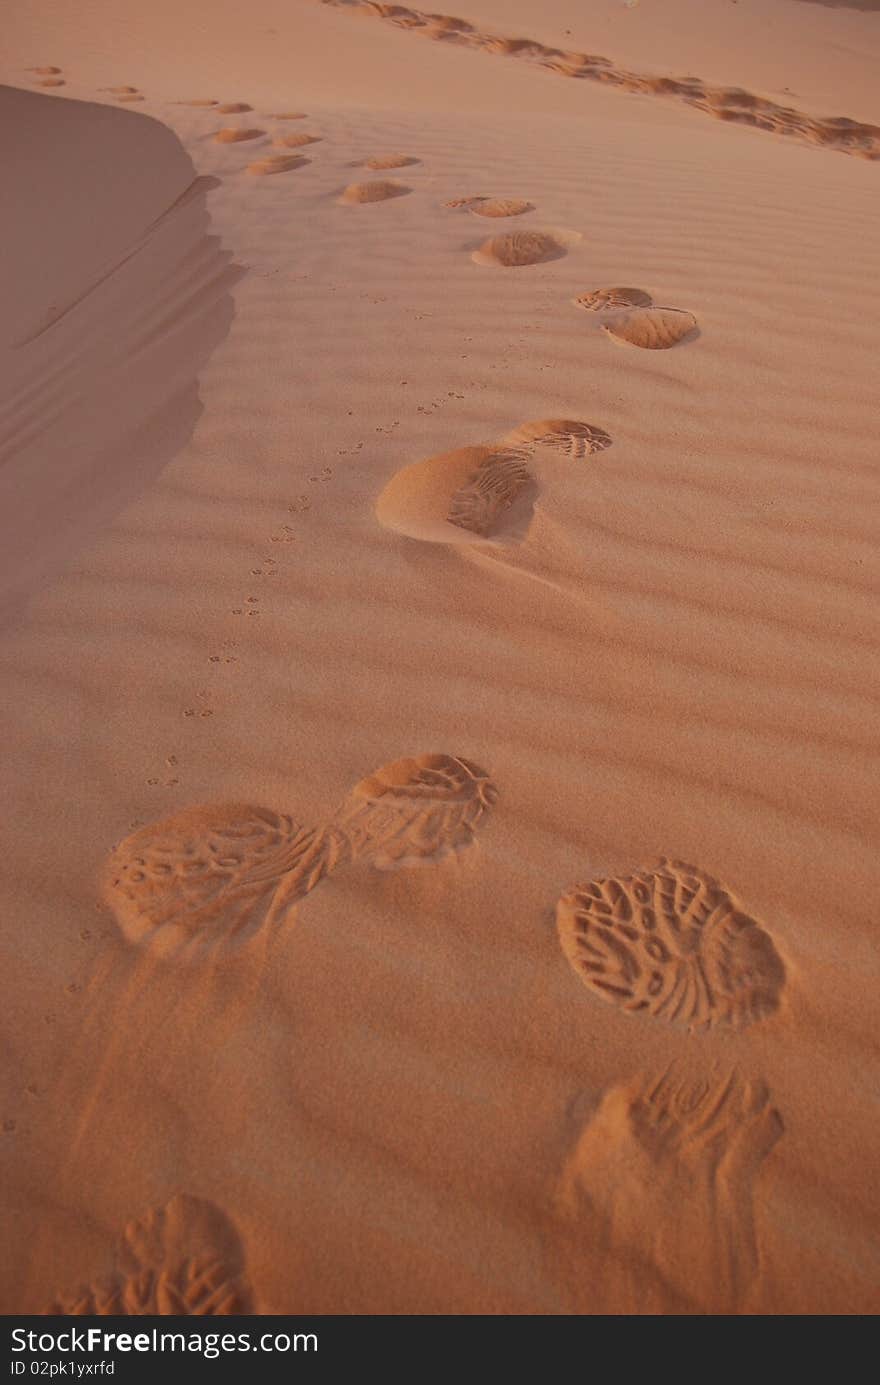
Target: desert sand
<point>439,656</point>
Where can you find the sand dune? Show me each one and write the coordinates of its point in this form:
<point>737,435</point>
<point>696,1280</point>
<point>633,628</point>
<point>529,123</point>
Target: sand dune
<point>440,776</point>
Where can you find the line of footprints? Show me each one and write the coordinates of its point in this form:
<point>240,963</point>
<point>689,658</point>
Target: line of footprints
<point>627,314</point>
<point>670,944</point>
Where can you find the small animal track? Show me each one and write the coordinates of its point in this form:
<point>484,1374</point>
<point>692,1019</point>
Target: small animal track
<point>671,944</point>
<point>226,870</point>
<point>277,163</point>
<point>610,300</point>
<point>183,1259</point>
<point>382,190</point>
<point>652,329</point>
<point>233,134</point>
<point>663,1176</point>
<point>517,249</point>
<point>385,161</point>
<point>568,436</point>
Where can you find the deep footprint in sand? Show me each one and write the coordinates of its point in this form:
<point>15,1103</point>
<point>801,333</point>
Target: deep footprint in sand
<point>385,161</point>
<point>671,944</point>
<point>295,141</point>
<point>518,249</point>
<point>382,190</point>
<point>279,163</point>
<point>234,108</point>
<point>233,134</point>
<point>223,871</point>
<point>652,329</point>
<point>481,493</point>
<point>492,206</point>
<point>662,1176</point>
<point>630,315</point>
<point>569,436</point>
<point>183,1259</point>
<point>613,299</point>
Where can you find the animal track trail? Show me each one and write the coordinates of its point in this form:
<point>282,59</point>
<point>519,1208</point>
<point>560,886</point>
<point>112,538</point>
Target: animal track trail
<point>223,871</point>
<point>671,944</point>
<point>663,1178</point>
<point>183,1259</point>
<point>485,491</point>
<point>731,104</point>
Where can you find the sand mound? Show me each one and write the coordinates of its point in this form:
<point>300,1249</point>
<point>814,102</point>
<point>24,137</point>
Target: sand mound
<point>653,329</point>
<point>379,191</point>
<point>520,248</point>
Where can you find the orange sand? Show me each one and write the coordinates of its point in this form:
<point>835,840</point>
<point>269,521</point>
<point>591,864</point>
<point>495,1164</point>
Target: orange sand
<point>439,657</point>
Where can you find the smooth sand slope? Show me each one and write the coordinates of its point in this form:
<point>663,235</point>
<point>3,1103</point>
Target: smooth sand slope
<point>440,661</point>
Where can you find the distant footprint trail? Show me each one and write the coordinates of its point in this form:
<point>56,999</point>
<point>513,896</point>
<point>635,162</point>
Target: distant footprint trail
<point>724,103</point>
